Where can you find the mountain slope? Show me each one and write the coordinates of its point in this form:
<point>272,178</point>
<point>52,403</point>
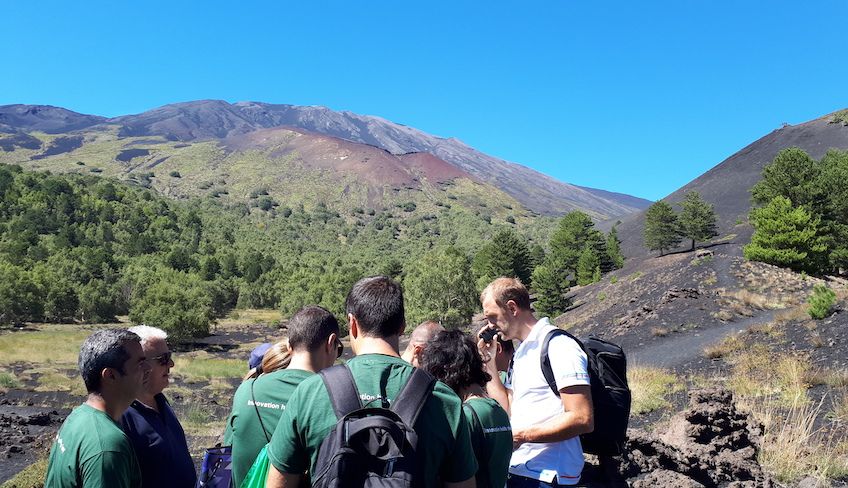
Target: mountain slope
<point>216,120</point>
<point>727,186</point>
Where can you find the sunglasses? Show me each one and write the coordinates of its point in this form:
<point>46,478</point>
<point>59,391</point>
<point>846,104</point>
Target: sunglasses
<point>339,348</point>
<point>163,359</point>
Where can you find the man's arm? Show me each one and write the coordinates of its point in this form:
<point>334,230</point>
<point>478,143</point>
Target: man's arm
<point>494,387</point>
<point>278,479</point>
<point>576,419</point>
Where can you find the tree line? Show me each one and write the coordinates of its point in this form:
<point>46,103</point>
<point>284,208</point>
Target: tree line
<point>665,228</point>
<point>88,249</point>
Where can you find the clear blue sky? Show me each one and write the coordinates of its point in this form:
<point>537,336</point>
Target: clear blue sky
<point>634,97</point>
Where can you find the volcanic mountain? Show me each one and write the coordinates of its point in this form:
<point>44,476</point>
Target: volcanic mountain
<point>221,126</point>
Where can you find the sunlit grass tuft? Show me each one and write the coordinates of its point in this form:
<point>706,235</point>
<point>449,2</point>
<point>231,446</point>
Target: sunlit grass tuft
<point>650,386</point>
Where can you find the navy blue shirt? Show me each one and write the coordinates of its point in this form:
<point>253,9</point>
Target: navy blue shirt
<point>160,445</point>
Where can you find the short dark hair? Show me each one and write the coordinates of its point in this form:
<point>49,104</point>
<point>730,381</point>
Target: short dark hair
<point>104,349</point>
<point>310,326</point>
<point>452,357</point>
<point>377,304</point>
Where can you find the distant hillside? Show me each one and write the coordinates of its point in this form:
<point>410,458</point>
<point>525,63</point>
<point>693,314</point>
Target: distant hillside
<point>727,185</point>
<point>213,120</point>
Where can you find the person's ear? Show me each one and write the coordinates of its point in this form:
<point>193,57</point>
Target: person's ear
<point>108,374</point>
<point>499,347</point>
<point>354,326</point>
<point>330,344</point>
<point>512,307</point>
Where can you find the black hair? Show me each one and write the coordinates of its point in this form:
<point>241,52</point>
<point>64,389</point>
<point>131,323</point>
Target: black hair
<point>452,357</point>
<point>310,327</point>
<point>377,304</point>
<point>104,349</point>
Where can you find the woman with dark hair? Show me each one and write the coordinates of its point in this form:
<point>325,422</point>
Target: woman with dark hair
<point>453,358</point>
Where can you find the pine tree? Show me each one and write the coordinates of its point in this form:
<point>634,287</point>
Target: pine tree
<point>506,254</point>
<point>786,236</point>
<point>697,219</point>
<point>586,266</point>
<point>792,174</point>
<point>614,248</point>
<point>661,227</point>
<point>550,289</point>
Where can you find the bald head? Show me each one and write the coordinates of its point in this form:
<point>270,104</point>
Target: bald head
<point>419,339</point>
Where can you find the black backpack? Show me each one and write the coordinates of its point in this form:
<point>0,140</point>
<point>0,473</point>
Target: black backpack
<point>371,446</point>
<point>611,397</point>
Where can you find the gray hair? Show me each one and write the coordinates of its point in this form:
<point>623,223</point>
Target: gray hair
<point>103,349</point>
<point>148,333</point>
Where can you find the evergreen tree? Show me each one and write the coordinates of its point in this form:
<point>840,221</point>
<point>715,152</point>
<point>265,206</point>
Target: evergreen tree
<point>786,236</point>
<point>586,266</point>
<point>614,248</point>
<point>662,230</point>
<point>792,174</point>
<point>550,289</point>
<point>506,254</point>
<point>697,218</point>
<point>440,286</point>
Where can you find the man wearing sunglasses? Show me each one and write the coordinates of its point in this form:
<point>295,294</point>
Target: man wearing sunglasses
<point>150,423</point>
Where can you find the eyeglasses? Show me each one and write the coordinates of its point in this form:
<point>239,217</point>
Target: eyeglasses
<point>339,348</point>
<point>163,359</point>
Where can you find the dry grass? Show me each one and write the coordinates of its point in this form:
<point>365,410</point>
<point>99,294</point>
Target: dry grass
<point>659,331</point>
<point>650,386</point>
<point>725,347</point>
<point>51,379</point>
<point>31,477</point>
<point>793,448</point>
<point>757,373</point>
<point>791,315</point>
<point>724,315</point>
<point>8,380</point>
<point>198,420</point>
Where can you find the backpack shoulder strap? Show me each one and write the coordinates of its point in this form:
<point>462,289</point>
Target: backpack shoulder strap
<point>411,398</point>
<point>256,407</point>
<point>547,370</point>
<point>342,389</point>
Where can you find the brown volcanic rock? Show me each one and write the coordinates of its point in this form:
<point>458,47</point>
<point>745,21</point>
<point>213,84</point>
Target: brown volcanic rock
<point>711,443</point>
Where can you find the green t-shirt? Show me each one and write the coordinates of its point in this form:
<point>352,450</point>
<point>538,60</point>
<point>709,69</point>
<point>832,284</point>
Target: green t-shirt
<point>443,438</point>
<point>272,392</point>
<point>491,436</point>
<point>92,450</point>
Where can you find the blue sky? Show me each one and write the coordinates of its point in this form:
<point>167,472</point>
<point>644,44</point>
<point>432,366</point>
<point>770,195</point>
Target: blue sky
<point>634,97</point>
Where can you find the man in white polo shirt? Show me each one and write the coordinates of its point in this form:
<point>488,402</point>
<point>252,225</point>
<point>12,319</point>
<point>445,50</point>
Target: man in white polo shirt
<point>546,428</point>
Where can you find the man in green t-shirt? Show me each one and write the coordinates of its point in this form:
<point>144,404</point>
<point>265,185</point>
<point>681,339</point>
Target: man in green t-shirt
<point>376,316</point>
<point>313,344</point>
<point>90,449</point>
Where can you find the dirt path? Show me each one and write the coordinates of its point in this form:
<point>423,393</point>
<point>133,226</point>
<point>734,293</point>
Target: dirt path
<point>682,348</point>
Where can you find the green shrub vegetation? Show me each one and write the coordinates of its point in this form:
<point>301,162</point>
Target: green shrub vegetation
<point>87,248</point>
<point>662,229</point>
<point>821,301</point>
<point>802,221</point>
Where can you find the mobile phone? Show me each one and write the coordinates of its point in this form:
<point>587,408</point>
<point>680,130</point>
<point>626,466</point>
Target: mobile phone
<point>488,334</point>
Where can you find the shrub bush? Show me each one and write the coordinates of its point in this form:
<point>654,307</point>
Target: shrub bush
<point>821,302</point>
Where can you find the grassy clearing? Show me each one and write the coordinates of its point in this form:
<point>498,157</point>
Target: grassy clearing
<point>250,316</point>
<point>200,421</point>
<point>31,477</point>
<point>201,366</point>
<point>650,386</point>
<point>52,379</point>
<point>793,448</point>
<point>56,344</point>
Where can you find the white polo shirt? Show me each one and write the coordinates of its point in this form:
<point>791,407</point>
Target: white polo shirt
<point>534,403</point>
